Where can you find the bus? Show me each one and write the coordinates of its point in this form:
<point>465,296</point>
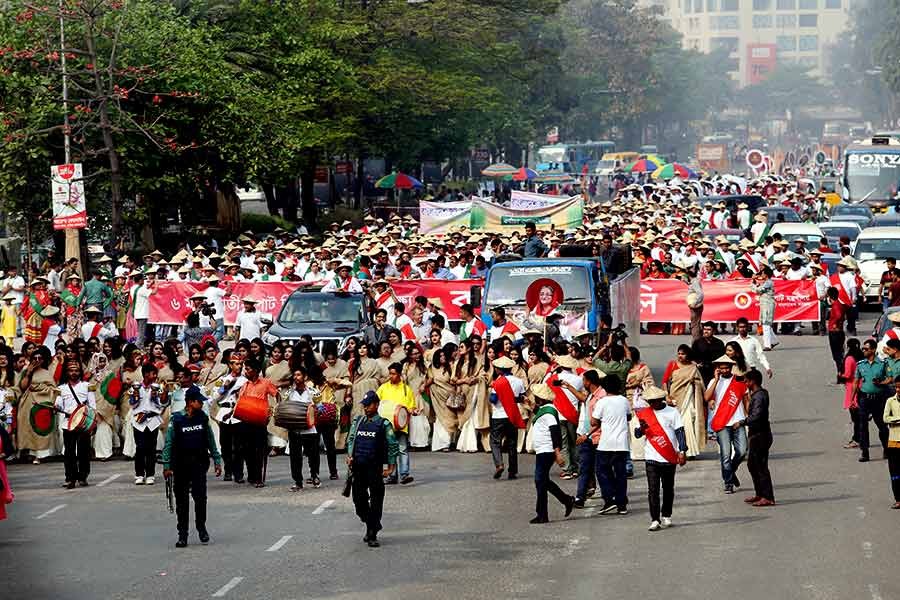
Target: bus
<point>872,172</point>
<point>571,157</point>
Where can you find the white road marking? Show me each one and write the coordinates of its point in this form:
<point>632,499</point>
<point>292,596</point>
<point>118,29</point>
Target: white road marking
<point>51,511</point>
<point>227,587</point>
<point>109,479</point>
<point>861,512</point>
<point>278,545</point>
<point>874,592</point>
<point>867,549</point>
<point>321,508</point>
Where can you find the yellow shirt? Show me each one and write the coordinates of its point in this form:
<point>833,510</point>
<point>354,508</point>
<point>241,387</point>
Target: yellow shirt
<point>892,419</point>
<point>390,395</point>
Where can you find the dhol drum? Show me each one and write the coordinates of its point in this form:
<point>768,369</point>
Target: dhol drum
<point>254,411</point>
<point>401,418</point>
<point>42,419</point>
<point>327,413</point>
<point>295,415</point>
<point>83,419</point>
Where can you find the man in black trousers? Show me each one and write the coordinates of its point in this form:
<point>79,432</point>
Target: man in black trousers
<point>759,441</point>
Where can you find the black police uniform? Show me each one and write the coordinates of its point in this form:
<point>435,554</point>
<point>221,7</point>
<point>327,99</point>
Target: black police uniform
<point>189,444</point>
<point>370,454</point>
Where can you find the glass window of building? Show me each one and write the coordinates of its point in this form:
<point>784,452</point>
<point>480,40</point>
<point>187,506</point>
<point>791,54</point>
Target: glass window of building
<point>809,20</point>
<point>786,43</point>
<point>808,43</point>
<point>809,4</point>
<point>761,5</point>
<point>712,5</point>
<point>724,43</point>
<point>786,21</point>
<point>833,4</point>
<point>762,21</point>
<point>786,4</point>
<point>698,6</point>
<point>730,5</point>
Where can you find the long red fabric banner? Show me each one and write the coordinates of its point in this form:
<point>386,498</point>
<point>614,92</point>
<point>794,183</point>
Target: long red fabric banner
<point>664,300</point>
<point>170,303</point>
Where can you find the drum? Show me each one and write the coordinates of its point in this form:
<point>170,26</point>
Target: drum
<point>42,419</point>
<point>295,415</point>
<point>401,418</point>
<point>327,413</point>
<point>254,411</point>
<point>83,419</point>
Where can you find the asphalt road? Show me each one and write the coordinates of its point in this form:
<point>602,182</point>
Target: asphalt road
<point>456,533</point>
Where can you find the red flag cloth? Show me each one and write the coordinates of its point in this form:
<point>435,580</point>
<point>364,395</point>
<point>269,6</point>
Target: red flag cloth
<point>843,295</point>
<point>561,401</point>
<point>508,400</point>
<point>726,407</point>
<point>656,435</point>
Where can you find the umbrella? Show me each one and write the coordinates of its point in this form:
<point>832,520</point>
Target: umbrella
<point>499,170</point>
<point>523,174</point>
<point>655,159</point>
<point>673,170</point>
<point>555,177</point>
<point>643,166</point>
<point>398,181</point>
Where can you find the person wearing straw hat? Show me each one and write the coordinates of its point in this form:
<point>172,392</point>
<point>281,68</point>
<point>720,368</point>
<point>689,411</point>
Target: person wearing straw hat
<point>51,317</point>
<point>248,324</point>
<point>343,281</point>
<point>9,314</point>
<point>727,399</point>
<point>547,442</point>
<point>506,393</point>
<point>665,447</point>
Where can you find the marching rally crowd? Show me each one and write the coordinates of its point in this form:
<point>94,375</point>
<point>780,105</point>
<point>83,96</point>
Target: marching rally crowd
<point>85,372</point>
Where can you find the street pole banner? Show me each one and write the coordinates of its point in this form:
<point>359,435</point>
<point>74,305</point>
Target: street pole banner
<point>563,215</point>
<point>520,200</point>
<point>663,300</point>
<point>438,217</point>
<point>67,191</point>
<point>170,303</point>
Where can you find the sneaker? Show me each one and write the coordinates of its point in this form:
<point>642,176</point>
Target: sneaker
<point>729,489</point>
<point>333,477</point>
<point>666,522</point>
<point>654,526</point>
<point>138,480</point>
<point>622,511</point>
<point>391,481</point>
<point>296,487</point>
<point>578,503</point>
<point>181,543</point>
<point>204,536</point>
<point>309,481</point>
<point>316,483</point>
<point>149,480</point>
<point>565,476</point>
<point>83,483</point>
<point>373,542</point>
<point>608,507</point>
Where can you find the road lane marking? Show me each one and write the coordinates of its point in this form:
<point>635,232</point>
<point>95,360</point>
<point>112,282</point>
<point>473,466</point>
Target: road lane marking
<point>321,508</point>
<point>867,549</point>
<point>109,479</point>
<point>228,587</point>
<point>874,592</point>
<point>277,545</point>
<point>861,512</point>
<point>50,512</point>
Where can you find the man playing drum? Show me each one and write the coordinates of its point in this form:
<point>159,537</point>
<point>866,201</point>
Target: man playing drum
<point>397,403</point>
<point>78,425</point>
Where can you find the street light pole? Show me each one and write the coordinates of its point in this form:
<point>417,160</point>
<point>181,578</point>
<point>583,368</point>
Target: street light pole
<point>73,243</point>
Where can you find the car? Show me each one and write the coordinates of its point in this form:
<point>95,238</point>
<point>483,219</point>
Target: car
<point>788,214</point>
<point>753,202</point>
<point>809,232</point>
<point>732,235</point>
<point>859,213</point>
<point>326,316</point>
<point>874,245</point>
<point>887,220</point>
<point>834,230</point>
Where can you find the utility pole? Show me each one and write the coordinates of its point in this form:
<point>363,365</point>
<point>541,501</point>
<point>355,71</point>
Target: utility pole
<point>73,241</point>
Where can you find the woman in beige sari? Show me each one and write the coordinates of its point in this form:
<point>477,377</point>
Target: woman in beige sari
<point>338,378</point>
<point>415,373</point>
<point>105,438</point>
<point>278,371</point>
<point>639,378</point>
<point>131,374</point>
<point>439,386</point>
<point>36,386</point>
<point>366,376</point>
<point>469,381</point>
<point>684,385</point>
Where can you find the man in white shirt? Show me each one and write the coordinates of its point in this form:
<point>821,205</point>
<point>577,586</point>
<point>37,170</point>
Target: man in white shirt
<point>611,416</point>
<point>140,298</point>
<point>73,394</point>
<point>248,324</point>
<point>147,401</point>
<point>343,281</point>
<point>303,441</point>
<point>588,437</point>
<point>743,216</point>
<point>573,387</point>
<point>504,398</point>
<point>215,296</point>
<point>753,352</point>
<point>725,394</point>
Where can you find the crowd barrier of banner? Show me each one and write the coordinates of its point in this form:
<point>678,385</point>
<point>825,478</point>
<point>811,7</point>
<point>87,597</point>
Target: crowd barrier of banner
<point>171,302</point>
<point>543,210</point>
<point>520,200</point>
<point>663,300</point>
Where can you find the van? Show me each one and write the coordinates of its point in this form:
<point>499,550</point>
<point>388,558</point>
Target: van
<point>874,245</point>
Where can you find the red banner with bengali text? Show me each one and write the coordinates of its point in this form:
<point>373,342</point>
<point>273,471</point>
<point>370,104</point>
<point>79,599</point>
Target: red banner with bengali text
<point>170,303</point>
<point>664,300</point>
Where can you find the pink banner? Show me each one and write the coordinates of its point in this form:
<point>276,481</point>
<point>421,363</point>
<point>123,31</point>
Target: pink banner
<point>664,300</point>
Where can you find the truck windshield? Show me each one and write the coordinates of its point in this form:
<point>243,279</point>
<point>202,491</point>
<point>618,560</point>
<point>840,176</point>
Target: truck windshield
<point>879,248</point>
<point>508,282</point>
<point>872,175</point>
<point>321,308</point>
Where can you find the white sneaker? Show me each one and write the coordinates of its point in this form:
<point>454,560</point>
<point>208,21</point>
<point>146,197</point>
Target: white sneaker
<point>666,522</point>
<point>654,526</point>
<point>138,480</point>
<point>149,480</point>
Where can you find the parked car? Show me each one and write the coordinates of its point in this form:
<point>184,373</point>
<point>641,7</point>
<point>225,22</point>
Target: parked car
<point>859,213</point>
<point>887,220</point>
<point>834,230</point>
<point>874,245</point>
<point>772,212</point>
<point>791,231</point>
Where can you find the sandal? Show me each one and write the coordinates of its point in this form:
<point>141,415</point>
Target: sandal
<point>851,444</point>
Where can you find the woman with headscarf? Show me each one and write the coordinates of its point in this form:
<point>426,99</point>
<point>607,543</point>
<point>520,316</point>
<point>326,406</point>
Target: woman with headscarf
<point>684,385</point>
<point>36,386</point>
<point>439,387</point>
<point>105,438</point>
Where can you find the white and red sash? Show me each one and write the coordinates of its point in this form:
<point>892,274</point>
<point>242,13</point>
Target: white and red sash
<point>843,295</point>
<point>382,299</point>
<point>95,331</point>
<point>508,399</point>
<point>656,435</point>
<point>561,400</point>
<point>342,285</point>
<point>728,405</point>
<point>892,334</point>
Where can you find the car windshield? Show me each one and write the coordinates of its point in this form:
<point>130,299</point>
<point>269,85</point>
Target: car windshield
<point>508,282</point>
<point>303,308</point>
<point>849,209</point>
<point>836,232</point>
<point>790,216</point>
<point>877,249</point>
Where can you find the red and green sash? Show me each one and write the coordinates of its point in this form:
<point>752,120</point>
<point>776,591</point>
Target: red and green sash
<point>561,400</point>
<point>509,328</point>
<point>345,286</point>
<point>657,436</point>
<point>508,399</point>
<point>475,326</point>
<point>727,406</point>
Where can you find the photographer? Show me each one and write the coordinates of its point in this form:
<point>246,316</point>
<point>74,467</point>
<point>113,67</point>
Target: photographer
<point>614,357</point>
<point>193,331</point>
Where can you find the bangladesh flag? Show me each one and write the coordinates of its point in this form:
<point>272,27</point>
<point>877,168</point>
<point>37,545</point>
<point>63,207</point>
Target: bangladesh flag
<point>42,419</point>
<point>111,387</point>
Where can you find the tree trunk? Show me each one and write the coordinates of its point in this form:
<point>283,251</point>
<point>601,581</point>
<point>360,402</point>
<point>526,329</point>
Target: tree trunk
<point>288,195</point>
<point>308,195</point>
<point>272,198</point>
<point>360,182</point>
<point>228,208</point>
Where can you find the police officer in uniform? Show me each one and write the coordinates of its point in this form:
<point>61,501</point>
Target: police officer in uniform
<point>371,445</point>
<point>189,444</point>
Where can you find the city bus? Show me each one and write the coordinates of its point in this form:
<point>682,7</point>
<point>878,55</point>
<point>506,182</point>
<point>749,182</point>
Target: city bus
<point>571,157</point>
<point>872,172</point>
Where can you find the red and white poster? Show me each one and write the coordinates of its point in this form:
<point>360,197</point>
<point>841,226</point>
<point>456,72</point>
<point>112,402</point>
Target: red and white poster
<point>67,191</point>
<point>170,303</point>
<point>663,300</point>
<point>761,61</point>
